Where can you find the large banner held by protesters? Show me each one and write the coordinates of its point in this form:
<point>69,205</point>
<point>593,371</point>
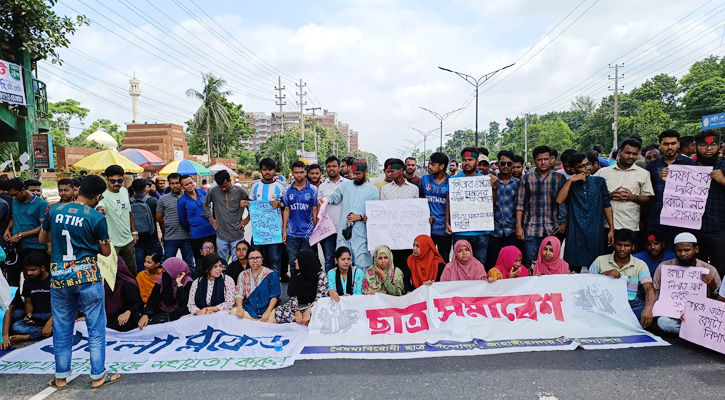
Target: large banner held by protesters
<point>685,196</point>
<point>266,225</point>
<point>471,203</point>
<point>679,284</point>
<point>559,312</point>
<point>396,223</point>
<point>703,324</point>
<point>217,342</point>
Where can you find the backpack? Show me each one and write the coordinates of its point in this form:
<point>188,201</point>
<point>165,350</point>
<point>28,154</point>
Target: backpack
<point>145,223</point>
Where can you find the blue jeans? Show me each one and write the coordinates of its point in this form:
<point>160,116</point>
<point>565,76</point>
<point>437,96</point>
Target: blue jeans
<point>478,242</point>
<point>637,306</point>
<point>531,249</point>
<point>223,248</point>
<point>272,254</point>
<point>329,245</point>
<point>65,303</point>
<point>669,325</point>
<point>171,247</point>
<point>34,331</point>
<point>146,247</point>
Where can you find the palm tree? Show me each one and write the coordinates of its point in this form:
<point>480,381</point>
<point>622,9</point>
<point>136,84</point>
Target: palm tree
<point>211,115</point>
<point>275,148</point>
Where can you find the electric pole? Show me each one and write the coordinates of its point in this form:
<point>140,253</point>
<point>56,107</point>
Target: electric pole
<point>314,131</point>
<point>302,113</point>
<point>526,136</point>
<point>615,124</point>
<point>280,102</point>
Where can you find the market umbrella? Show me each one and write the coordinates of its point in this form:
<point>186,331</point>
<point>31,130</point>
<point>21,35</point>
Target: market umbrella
<point>184,167</point>
<point>221,167</point>
<point>99,161</point>
<point>143,158</point>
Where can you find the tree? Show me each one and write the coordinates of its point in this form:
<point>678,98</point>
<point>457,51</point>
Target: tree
<point>662,88</point>
<point>708,97</point>
<point>212,115</point>
<point>62,113</point>
<point>225,144</point>
<point>700,71</point>
<point>583,103</point>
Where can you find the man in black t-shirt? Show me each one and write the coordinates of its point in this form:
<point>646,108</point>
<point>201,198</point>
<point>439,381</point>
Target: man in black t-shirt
<point>38,320</point>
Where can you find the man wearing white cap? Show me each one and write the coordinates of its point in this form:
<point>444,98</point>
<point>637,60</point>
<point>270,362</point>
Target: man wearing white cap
<point>686,249</point>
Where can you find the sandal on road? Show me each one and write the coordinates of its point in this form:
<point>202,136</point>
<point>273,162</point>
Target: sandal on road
<point>54,384</point>
<point>107,380</point>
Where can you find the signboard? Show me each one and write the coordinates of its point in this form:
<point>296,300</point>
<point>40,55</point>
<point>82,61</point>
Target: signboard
<point>713,121</point>
<point>307,157</point>
<point>178,155</point>
<point>43,151</point>
<point>396,223</point>
<point>471,203</point>
<point>325,226</point>
<point>703,324</point>
<point>266,225</point>
<point>685,196</point>
<point>679,285</point>
<point>12,90</point>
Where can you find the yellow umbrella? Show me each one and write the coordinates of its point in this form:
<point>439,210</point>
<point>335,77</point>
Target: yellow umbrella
<point>99,161</point>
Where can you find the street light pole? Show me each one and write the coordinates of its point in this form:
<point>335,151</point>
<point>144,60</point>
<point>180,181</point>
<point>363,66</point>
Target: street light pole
<point>441,118</point>
<point>477,83</point>
<point>425,137</point>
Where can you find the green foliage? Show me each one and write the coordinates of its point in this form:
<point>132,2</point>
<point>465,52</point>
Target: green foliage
<point>213,117</point>
<point>104,125</point>
<point>62,112</point>
<point>710,67</point>
<point>708,97</point>
<point>224,144</point>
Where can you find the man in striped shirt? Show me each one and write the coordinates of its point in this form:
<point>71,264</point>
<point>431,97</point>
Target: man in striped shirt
<point>621,262</point>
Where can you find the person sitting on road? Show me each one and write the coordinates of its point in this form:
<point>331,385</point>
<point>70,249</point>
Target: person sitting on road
<point>213,291</point>
<point>508,265</point>
<point>170,296</point>
<point>426,263</point>
<point>655,252</point>
<point>464,266</point>
<point>123,304</point>
<point>550,262</point>
<point>241,263</point>
<point>383,276</point>
<point>38,320</point>
<point>149,275</point>
<point>258,289</point>
<point>344,279</point>
<point>309,285</point>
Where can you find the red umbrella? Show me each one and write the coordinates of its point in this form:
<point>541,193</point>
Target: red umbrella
<point>143,158</point>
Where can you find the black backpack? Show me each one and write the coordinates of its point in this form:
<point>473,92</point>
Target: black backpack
<point>145,222</point>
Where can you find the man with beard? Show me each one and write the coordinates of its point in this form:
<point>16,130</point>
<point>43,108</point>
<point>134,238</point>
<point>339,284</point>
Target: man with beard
<point>517,170</point>
<point>651,155</point>
<point>453,168</point>
<point>334,211</point>
<point>686,249</point>
<point>352,195</point>
<point>346,168</point>
<point>655,252</point>
<point>410,167</point>
<point>314,175</point>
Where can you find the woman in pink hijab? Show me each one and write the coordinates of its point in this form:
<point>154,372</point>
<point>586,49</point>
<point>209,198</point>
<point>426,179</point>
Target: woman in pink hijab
<point>508,265</point>
<point>550,262</point>
<point>463,266</point>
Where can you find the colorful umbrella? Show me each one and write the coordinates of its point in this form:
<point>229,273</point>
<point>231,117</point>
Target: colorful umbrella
<point>143,158</point>
<point>184,167</point>
<point>221,167</point>
<point>99,161</point>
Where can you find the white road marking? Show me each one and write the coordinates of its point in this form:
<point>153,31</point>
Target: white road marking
<point>50,390</point>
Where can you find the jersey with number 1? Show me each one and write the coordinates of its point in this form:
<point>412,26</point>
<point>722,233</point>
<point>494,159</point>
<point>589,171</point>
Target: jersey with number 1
<point>76,230</point>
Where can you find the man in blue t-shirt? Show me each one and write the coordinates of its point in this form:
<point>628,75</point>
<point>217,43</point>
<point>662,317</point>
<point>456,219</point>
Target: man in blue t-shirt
<point>434,188</point>
<point>299,216</point>
<point>655,253</point>
<point>78,233</point>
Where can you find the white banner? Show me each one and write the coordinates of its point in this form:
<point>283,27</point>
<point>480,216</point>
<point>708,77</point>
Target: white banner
<point>12,89</point>
<point>471,202</point>
<point>217,342</point>
<point>558,312</point>
<point>396,223</point>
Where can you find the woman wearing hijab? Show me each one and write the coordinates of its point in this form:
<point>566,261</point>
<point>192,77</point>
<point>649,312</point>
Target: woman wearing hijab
<point>426,263</point>
<point>170,296</point>
<point>508,265</point>
<point>383,277</point>
<point>550,262</point>
<point>463,266</point>
<point>213,291</point>
<point>147,278</point>
<point>258,289</point>
<point>344,279</point>
<point>123,303</point>
<point>309,284</point>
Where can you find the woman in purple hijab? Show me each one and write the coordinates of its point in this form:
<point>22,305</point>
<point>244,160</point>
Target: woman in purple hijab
<point>170,295</point>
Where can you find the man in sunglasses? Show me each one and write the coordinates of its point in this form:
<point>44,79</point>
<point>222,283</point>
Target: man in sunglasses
<point>711,236</point>
<point>121,225</point>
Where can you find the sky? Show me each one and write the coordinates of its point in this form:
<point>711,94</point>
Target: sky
<point>375,62</point>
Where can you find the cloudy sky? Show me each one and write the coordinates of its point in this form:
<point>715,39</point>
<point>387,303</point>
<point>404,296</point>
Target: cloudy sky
<point>375,62</point>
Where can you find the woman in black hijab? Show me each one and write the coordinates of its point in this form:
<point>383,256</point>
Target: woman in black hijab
<point>310,284</point>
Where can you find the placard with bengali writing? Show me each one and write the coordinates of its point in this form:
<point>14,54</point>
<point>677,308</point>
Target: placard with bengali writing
<point>266,226</point>
<point>471,203</point>
<point>678,285</point>
<point>703,324</point>
<point>685,196</point>
<point>396,223</point>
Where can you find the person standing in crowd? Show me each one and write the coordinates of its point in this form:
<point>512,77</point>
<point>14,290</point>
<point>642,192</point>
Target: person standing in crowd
<point>483,165</point>
<point>477,240</point>
<point>191,215</point>
<point>35,187</point>
<point>352,195</point>
<point>622,263</point>
<point>585,196</point>
<point>595,168</point>
<point>553,159</point>
<point>711,236</point>
<point>299,216</point>
<point>549,261</point>
<point>386,176</point>
<point>453,168</point>
<point>688,146</point>
<point>152,191</point>
<point>517,169</point>
<point>143,209</point>
<point>566,169</point>
<point>334,211</point>
<point>161,185</point>
<point>655,252</point>
<point>504,220</point>
<point>651,155</point>
<point>76,280</point>
<point>670,149</point>
<point>223,209</point>
<point>410,168</point>
<point>346,167</point>
<point>121,225</point>
<point>76,188</point>
<point>174,237</point>
<point>270,189</point>
<point>434,188</point>
<point>603,162</point>
<point>314,175</point>
<point>527,167</point>
<point>65,190</point>
<point>629,187</point>
<point>537,213</point>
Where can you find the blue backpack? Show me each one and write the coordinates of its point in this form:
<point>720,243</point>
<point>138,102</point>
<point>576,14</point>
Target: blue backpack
<point>145,222</point>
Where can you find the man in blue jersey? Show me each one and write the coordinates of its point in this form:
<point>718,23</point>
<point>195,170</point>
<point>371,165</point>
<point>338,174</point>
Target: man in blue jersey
<point>300,214</point>
<point>434,188</point>
<point>77,234</point>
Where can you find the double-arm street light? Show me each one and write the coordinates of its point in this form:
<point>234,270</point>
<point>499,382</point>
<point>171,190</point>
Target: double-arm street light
<point>425,137</point>
<point>441,118</point>
<point>477,83</point>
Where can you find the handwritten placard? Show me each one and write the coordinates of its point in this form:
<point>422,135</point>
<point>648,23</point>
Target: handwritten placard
<point>703,324</point>
<point>685,196</point>
<point>396,223</point>
<point>471,204</point>
<point>678,285</point>
<point>108,266</point>
<point>324,228</point>
<point>266,226</point>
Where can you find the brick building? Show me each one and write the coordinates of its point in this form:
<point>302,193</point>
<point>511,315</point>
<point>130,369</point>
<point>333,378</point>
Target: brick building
<point>160,139</point>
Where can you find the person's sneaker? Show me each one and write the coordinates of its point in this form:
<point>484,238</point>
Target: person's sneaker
<point>284,278</point>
